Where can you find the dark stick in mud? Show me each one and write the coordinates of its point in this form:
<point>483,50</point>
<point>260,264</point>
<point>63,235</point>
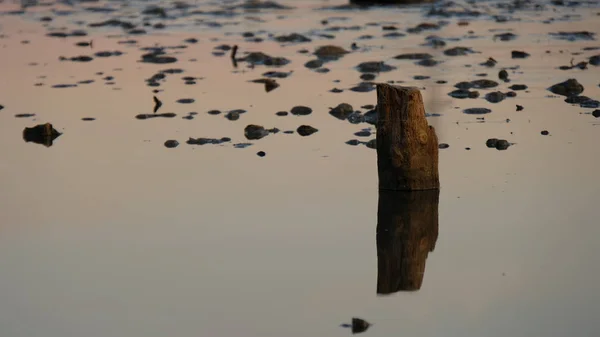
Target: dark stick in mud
<point>233,52</point>
<point>407,146</point>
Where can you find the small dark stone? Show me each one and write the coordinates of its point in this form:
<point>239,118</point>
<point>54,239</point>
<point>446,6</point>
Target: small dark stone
<point>503,75</point>
<point>393,35</point>
<point>413,56</point>
<point>363,133</point>
<point>372,144</point>
<point>518,87</point>
<point>489,63</point>
<point>491,143</point>
<point>330,52</point>
<point>505,36</point>
<point>484,84</point>
<point>306,130</point>
<point>574,36</point>
<point>301,110</point>
<point>186,100</point>
<point>356,118</point>
<point>368,77</point>
<point>353,142</point>
<point>477,111</point>
<point>214,112</point>
<point>545,133</point>
<point>519,107</point>
<point>255,132</point>
<point>281,113</point>
<point>421,77</point>
<point>205,141</point>
<point>81,59</point>
<point>294,38</point>
<point>261,153</point>
<point>374,67</point>
<point>276,74</point>
<point>458,51</point>
<point>443,146</point>
<point>371,116</point>
<point>336,90</point>
<point>595,60</point>
<point>577,99</point>
<point>313,64</point>
<point>511,94</point>
<point>461,94</point>
<point>464,85</point>
<point>495,97</point>
<point>569,87</point>
<point>427,63</point>
<point>88,119</point>
<point>519,54</point>
<point>502,144</point>
<point>363,87</point>
<point>232,115</point>
<point>24,115</point>
<point>171,143</point>
<point>596,113</point>
<point>322,70</point>
<point>342,111</point>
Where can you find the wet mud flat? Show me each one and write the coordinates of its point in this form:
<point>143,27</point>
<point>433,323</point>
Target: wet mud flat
<point>266,53</point>
<point>144,139</point>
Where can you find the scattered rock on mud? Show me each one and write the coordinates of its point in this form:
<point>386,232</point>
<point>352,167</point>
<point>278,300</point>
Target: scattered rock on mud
<point>171,143</point>
<point>253,131</point>
<point>301,110</point>
<point>374,67</point>
<point>495,97</point>
<point>342,111</point>
<point>569,87</point>
<point>519,54</point>
<point>306,130</point>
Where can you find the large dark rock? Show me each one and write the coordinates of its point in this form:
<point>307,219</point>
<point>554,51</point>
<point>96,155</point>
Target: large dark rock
<point>569,87</point>
<point>306,130</point>
<point>44,134</point>
<point>255,132</point>
<point>342,111</point>
<point>330,52</point>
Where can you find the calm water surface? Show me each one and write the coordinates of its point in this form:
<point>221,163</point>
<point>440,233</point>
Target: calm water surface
<point>107,233</point>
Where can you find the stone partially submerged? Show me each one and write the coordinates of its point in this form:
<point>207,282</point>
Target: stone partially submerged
<point>44,134</point>
<point>259,58</point>
<point>569,87</point>
<point>330,52</point>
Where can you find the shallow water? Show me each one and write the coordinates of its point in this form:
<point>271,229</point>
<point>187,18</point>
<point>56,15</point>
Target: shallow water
<point>110,233</point>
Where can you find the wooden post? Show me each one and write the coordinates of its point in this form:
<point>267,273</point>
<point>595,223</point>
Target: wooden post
<point>407,147</point>
<point>407,230</point>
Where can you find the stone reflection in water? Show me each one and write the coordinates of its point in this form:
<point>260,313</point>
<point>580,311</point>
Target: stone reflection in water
<point>407,230</point>
<point>44,134</point>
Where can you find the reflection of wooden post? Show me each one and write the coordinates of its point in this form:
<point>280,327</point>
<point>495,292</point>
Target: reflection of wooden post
<point>407,147</point>
<point>407,229</point>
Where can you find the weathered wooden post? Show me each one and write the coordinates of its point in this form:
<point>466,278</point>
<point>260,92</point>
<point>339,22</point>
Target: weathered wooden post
<point>407,230</point>
<point>407,147</point>
<point>407,164</point>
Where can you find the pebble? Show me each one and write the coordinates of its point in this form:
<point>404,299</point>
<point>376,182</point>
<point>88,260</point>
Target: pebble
<point>306,130</point>
<point>171,143</point>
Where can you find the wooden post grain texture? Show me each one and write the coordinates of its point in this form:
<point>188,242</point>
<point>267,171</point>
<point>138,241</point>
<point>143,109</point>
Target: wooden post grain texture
<point>407,146</point>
